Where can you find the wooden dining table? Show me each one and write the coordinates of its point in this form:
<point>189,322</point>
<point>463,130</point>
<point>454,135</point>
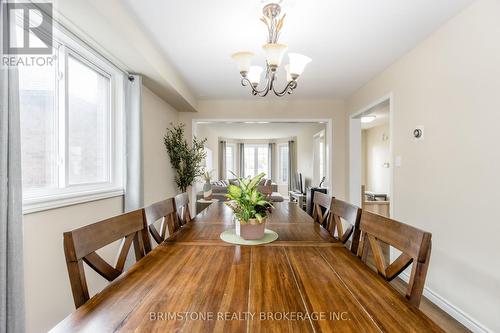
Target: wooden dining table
<point>305,281</point>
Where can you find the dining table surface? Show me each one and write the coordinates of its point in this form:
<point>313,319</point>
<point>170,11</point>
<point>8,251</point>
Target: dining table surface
<point>305,281</point>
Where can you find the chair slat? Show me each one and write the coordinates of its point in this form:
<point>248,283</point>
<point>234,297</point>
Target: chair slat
<point>377,255</point>
<point>156,236</point>
<point>336,223</point>
<point>398,266</point>
<point>122,254</point>
<point>101,266</point>
<point>348,232</point>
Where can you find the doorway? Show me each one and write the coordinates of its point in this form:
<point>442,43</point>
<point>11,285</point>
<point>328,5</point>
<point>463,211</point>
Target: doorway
<point>274,137</point>
<point>370,145</point>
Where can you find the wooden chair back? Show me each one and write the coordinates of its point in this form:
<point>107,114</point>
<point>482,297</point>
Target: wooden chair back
<point>80,245</point>
<point>414,244</point>
<point>166,211</point>
<point>182,207</point>
<point>341,210</point>
<point>321,208</point>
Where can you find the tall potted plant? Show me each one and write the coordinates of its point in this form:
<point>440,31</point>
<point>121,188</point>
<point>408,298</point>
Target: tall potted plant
<point>250,207</point>
<point>187,160</point>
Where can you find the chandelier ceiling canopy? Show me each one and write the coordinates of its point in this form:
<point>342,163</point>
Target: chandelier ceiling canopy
<point>274,51</point>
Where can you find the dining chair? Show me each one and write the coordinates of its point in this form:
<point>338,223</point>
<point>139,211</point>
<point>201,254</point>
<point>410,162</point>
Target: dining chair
<point>182,207</point>
<point>80,245</point>
<point>167,212</point>
<point>341,210</point>
<point>414,244</point>
<point>321,208</point>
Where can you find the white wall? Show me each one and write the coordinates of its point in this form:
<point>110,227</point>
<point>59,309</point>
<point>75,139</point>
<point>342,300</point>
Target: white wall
<point>448,183</point>
<point>205,131</point>
<point>158,174</point>
<point>284,109</point>
<point>47,288</point>
<point>375,146</point>
<point>305,153</point>
<point>354,162</point>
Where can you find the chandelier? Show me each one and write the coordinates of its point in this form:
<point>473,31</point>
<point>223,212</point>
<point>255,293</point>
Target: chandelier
<point>250,75</point>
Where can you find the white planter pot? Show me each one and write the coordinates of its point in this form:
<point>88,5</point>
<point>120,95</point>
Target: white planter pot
<point>252,230</point>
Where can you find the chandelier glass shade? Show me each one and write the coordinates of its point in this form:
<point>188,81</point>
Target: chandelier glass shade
<point>274,51</point>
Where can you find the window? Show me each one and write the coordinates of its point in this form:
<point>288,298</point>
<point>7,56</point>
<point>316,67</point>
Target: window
<point>230,160</point>
<point>283,163</point>
<point>88,124</point>
<point>37,97</point>
<point>71,127</point>
<point>256,160</point>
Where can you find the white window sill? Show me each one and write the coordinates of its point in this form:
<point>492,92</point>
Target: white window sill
<point>68,199</point>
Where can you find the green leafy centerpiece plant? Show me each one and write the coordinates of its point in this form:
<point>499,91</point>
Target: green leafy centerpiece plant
<point>187,160</point>
<point>250,207</point>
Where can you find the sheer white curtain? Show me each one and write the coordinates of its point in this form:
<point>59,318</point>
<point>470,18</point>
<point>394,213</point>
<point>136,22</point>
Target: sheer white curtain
<point>134,193</point>
<point>241,150</point>
<point>222,160</point>
<point>272,162</point>
<point>292,165</point>
<point>11,219</point>
<point>319,157</point>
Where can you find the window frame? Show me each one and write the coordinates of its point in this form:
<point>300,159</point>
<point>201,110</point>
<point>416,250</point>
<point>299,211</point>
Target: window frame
<point>66,45</point>
<point>280,175</point>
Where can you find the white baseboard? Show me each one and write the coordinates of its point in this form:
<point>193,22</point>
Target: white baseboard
<point>462,317</point>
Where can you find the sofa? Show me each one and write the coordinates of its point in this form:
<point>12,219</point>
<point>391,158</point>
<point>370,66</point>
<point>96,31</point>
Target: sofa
<point>219,189</point>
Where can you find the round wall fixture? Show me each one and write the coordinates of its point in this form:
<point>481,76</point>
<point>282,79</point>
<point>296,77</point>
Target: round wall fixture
<point>417,133</point>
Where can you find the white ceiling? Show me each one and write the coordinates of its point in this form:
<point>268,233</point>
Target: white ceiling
<point>258,131</point>
<point>350,41</point>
